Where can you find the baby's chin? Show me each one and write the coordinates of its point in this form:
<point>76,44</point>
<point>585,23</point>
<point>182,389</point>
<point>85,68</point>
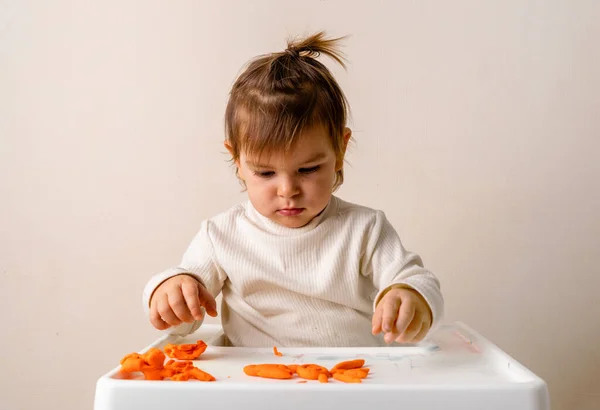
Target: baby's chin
<point>291,221</point>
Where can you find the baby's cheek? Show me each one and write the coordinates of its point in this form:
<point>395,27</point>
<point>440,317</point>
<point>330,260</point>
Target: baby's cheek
<point>259,200</point>
<point>324,184</point>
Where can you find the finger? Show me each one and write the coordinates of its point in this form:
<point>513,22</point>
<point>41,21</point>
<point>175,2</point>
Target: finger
<point>207,301</point>
<point>179,306</point>
<point>190,294</point>
<point>412,330</point>
<point>376,320</point>
<point>390,312</point>
<point>405,316</point>
<point>423,332</point>
<point>155,318</point>
<point>166,313</point>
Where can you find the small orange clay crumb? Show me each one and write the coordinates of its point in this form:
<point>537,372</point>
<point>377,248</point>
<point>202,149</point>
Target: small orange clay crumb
<point>301,381</point>
<point>269,371</point>
<point>185,351</point>
<point>323,378</point>
<point>277,352</point>
<point>345,378</point>
<point>350,364</point>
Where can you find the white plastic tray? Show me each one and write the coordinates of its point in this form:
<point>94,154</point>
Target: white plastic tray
<point>456,369</point>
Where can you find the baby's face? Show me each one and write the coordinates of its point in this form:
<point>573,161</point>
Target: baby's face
<point>291,189</point>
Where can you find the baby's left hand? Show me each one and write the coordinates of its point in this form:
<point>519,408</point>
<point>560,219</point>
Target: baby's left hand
<point>403,315</point>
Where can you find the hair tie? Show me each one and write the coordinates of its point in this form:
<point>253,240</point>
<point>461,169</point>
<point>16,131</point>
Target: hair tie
<point>292,51</point>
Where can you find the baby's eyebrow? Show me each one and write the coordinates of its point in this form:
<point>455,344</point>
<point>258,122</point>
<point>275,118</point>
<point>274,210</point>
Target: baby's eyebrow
<point>317,157</point>
<point>256,164</point>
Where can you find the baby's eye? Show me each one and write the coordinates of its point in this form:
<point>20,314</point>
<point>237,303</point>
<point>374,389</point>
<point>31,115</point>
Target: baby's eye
<point>264,174</point>
<point>309,170</point>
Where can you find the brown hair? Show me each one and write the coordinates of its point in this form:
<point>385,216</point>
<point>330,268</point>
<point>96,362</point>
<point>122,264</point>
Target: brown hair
<point>281,94</point>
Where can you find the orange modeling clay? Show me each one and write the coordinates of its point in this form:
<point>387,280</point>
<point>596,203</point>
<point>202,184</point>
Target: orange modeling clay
<point>131,363</point>
<point>198,374</point>
<point>342,377</point>
<point>350,371</point>
<point>152,365</point>
<point>185,351</point>
<point>357,373</point>
<point>276,352</point>
<point>179,367</point>
<point>156,374</point>
<point>311,371</point>
<point>192,373</point>
<point>154,358</point>
<point>350,364</point>
<point>180,377</point>
<point>269,371</point>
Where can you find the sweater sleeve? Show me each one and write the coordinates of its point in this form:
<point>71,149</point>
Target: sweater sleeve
<point>389,263</point>
<point>199,262</point>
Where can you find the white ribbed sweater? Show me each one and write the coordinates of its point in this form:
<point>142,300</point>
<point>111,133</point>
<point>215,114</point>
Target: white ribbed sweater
<point>310,286</point>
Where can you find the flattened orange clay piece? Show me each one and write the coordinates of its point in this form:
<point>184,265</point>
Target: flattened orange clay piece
<point>277,352</point>
<point>251,370</point>
<point>188,351</point>
<point>132,363</point>
<point>123,375</point>
<point>269,371</point>
<point>130,356</point>
<point>199,375</point>
<point>311,371</point>
<point>349,364</point>
<point>169,372</point>
<point>153,374</point>
<point>274,374</point>
<point>254,368</point>
<point>345,378</point>
<point>180,377</point>
<point>179,366</point>
<point>357,373</point>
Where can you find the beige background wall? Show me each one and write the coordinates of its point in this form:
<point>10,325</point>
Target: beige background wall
<point>477,130</point>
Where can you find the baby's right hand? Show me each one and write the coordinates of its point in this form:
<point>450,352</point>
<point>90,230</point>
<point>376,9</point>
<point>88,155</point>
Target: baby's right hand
<point>180,299</point>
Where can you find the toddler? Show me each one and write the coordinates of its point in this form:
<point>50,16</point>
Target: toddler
<point>295,264</point>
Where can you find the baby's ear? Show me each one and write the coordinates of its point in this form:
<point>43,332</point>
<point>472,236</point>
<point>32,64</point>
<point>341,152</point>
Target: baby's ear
<point>229,148</point>
<point>340,160</point>
<point>347,136</point>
